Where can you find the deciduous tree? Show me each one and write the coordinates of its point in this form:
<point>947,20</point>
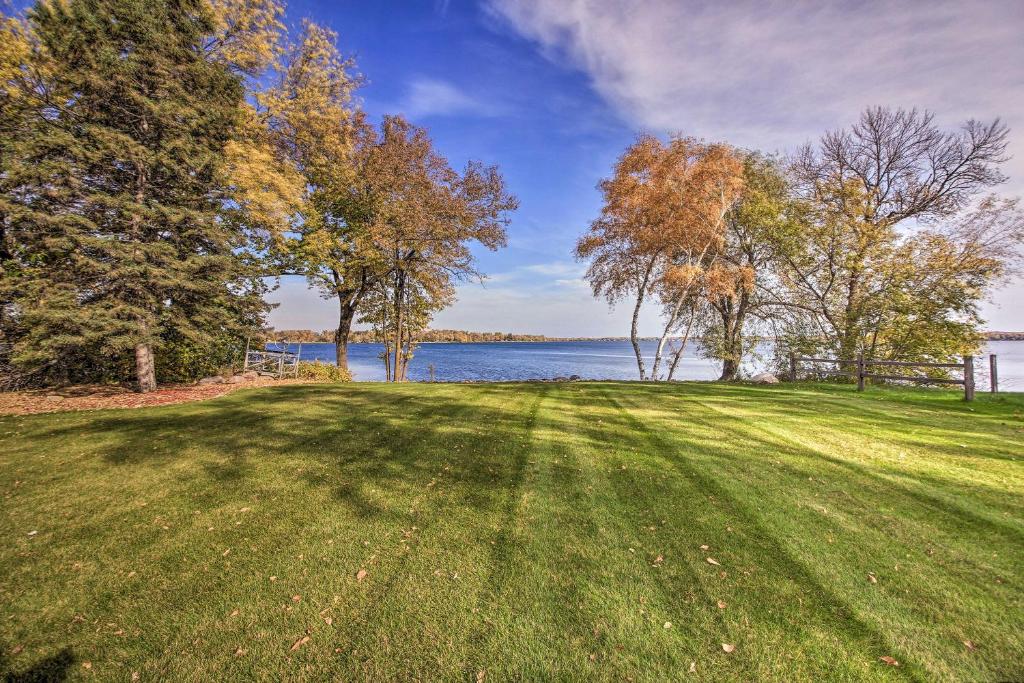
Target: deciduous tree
<point>862,190</point>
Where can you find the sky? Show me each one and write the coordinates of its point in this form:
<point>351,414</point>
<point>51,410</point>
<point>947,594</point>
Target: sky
<point>553,90</point>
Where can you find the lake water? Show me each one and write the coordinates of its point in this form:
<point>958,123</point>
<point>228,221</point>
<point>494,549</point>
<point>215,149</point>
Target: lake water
<point>502,361</point>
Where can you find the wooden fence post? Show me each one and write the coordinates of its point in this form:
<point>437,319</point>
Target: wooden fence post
<point>968,378</point>
<point>860,371</point>
<point>245,365</point>
<point>792,367</point>
<point>993,374</point>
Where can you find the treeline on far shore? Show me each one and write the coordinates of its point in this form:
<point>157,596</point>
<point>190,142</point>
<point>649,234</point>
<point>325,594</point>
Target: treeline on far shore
<point>427,336</point>
<point>465,337</point>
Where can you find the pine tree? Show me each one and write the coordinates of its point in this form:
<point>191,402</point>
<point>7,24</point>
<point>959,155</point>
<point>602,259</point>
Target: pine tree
<point>128,248</point>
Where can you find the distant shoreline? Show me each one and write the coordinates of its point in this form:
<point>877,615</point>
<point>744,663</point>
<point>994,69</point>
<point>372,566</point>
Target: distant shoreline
<point>466,337</point>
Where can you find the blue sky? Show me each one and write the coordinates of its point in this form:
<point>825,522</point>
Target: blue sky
<point>552,91</point>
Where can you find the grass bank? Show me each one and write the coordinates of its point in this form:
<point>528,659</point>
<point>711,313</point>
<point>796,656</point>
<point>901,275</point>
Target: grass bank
<point>591,531</point>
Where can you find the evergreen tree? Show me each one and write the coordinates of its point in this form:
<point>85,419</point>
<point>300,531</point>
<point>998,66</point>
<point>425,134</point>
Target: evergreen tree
<point>127,249</point>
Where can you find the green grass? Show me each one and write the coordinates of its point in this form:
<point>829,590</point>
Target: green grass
<point>515,530</point>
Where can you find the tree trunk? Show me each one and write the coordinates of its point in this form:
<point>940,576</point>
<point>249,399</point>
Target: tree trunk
<point>641,293</point>
<point>669,325</point>
<point>682,346</point>
<point>346,315</point>
<point>145,368</point>
<point>399,321</point>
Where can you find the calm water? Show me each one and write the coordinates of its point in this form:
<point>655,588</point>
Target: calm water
<point>499,361</point>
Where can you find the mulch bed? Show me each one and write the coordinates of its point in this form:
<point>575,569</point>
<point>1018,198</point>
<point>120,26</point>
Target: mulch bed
<point>100,397</point>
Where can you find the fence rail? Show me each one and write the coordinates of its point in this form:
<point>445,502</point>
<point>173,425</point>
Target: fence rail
<point>861,373</point>
<point>280,364</point>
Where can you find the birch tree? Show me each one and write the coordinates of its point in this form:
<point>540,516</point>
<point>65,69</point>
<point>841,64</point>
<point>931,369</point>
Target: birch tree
<point>660,228</point>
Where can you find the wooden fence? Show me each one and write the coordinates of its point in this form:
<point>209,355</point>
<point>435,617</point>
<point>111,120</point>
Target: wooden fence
<point>860,371</point>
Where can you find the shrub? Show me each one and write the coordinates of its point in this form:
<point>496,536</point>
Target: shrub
<point>323,372</point>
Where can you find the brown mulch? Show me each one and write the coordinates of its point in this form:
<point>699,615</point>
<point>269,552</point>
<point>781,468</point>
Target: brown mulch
<point>100,397</point>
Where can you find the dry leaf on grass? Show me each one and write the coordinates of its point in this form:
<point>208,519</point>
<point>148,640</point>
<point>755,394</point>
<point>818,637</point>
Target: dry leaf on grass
<point>704,547</point>
<point>872,578</point>
<point>360,575</point>
<point>693,667</point>
<point>659,559</point>
<point>239,652</point>
<point>296,598</point>
<point>728,647</point>
<point>668,624</point>
<point>711,560</point>
<point>721,604</point>
<point>480,676</point>
<point>328,621</point>
<point>891,661</point>
<point>299,643</point>
<point>970,645</point>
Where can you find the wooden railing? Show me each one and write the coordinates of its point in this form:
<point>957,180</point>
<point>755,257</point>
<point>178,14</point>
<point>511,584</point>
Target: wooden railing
<point>860,371</point>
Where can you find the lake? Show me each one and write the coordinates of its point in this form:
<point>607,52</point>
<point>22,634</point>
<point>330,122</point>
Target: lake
<point>502,361</point>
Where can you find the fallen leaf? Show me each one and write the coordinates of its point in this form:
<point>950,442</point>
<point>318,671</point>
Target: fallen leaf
<point>970,645</point>
<point>668,624</point>
<point>728,647</point>
<point>593,657</point>
<point>721,604</point>
<point>86,665</point>
<point>693,667</point>
<point>704,547</point>
<point>244,509</point>
<point>239,652</point>
<point>296,598</point>
<point>713,561</point>
<point>136,675</point>
<point>872,578</point>
<point>273,578</point>
<point>659,559</point>
<point>234,613</point>
<point>225,553</point>
<point>360,575</point>
<point>18,648</point>
<point>299,643</point>
<point>480,676</point>
<point>889,660</point>
<point>328,621</point>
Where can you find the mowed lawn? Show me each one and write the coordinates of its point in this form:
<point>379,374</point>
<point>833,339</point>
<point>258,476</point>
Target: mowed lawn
<point>591,531</point>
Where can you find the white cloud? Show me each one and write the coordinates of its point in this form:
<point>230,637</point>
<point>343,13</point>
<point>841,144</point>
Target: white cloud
<point>555,268</point>
<point>774,74</point>
<point>432,97</point>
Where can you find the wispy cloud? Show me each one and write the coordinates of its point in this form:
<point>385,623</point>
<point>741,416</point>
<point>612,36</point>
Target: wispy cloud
<point>555,268</point>
<point>433,97</point>
<point>773,74</point>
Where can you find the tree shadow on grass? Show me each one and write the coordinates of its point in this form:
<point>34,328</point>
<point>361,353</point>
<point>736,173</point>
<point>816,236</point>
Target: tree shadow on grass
<point>759,543</point>
<point>348,440</point>
<point>52,669</point>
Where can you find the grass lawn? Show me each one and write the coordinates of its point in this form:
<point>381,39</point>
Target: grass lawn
<point>591,531</point>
